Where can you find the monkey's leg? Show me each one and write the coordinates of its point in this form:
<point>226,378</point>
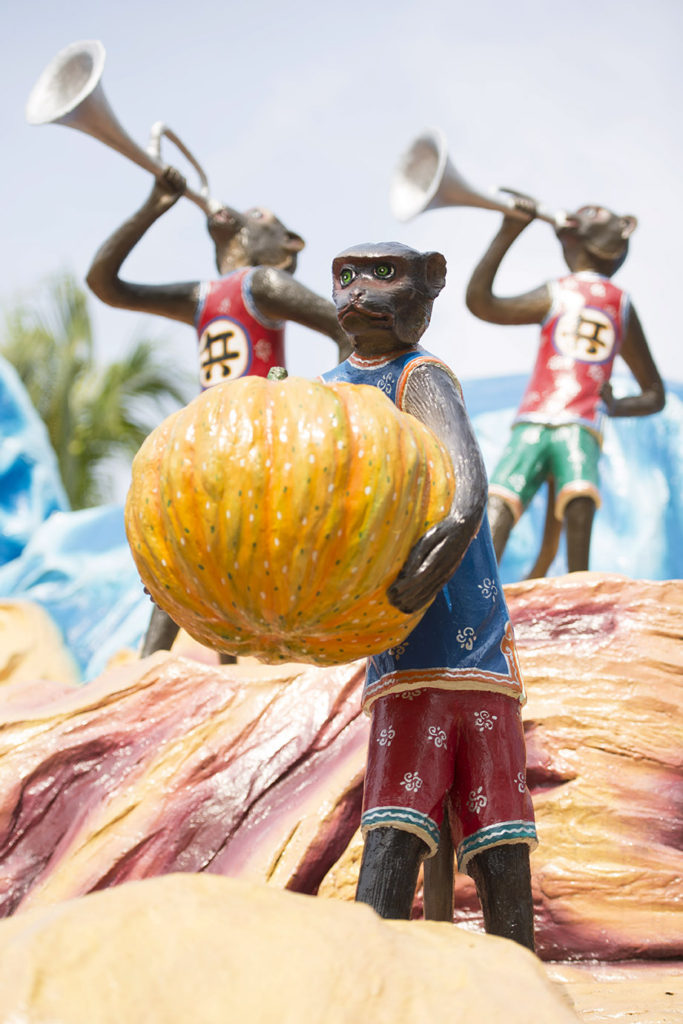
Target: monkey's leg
<point>161,633</point>
<point>438,877</point>
<point>388,871</point>
<point>501,521</point>
<point>578,517</point>
<point>503,880</point>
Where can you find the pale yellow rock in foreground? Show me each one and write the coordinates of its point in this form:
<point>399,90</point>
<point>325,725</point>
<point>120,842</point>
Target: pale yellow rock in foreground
<point>211,950</point>
<point>31,646</point>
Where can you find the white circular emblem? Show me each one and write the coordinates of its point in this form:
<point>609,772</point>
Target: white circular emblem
<point>586,335</point>
<point>224,351</point>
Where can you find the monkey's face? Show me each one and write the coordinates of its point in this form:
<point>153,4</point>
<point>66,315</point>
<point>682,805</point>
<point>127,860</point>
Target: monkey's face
<point>253,239</point>
<point>383,296</point>
<point>599,233</point>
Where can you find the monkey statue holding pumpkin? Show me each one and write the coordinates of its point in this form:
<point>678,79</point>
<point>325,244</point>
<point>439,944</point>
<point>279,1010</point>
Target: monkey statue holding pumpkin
<point>239,317</point>
<point>446,759</point>
<point>586,321</point>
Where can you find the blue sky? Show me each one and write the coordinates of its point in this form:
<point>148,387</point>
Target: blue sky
<point>306,107</point>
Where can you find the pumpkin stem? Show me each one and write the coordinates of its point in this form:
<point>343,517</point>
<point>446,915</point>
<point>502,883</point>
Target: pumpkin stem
<point>277,373</point>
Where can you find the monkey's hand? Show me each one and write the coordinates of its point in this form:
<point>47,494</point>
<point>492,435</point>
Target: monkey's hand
<point>522,203</point>
<point>167,189</point>
<point>607,395</point>
<point>430,564</point>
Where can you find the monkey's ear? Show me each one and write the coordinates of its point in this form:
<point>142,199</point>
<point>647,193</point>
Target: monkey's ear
<point>435,272</point>
<point>628,225</point>
<point>294,243</point>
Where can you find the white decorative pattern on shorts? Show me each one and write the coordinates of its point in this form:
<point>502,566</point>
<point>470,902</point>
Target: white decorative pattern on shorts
<point>412,782</point>
<point>438,736</point>
<point>386,736</point>
<point>484,720</point>
<point>477,800</point>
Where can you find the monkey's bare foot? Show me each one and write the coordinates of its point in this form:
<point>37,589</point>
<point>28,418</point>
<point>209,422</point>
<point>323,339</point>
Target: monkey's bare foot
<point>430,564</point>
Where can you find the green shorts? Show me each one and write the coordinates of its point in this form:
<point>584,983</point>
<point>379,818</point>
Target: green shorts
<point>569,454</point>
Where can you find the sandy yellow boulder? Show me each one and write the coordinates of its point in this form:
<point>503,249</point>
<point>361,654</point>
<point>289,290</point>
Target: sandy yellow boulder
<point>199,948</point>
<point>31,646</point>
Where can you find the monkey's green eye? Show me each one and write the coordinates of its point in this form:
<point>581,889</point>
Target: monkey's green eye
<point>346,276</point>
<point>384,271</point>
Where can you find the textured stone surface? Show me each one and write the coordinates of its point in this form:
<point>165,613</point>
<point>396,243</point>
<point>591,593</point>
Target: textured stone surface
<point>207,949</point>
<point>31,646</point>
<point>170,765</point>
<point>633,993</point>
<point>175,765</point>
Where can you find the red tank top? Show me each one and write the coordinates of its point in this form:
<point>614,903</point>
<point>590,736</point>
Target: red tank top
<point>234,338</point>
<point>580,340</point>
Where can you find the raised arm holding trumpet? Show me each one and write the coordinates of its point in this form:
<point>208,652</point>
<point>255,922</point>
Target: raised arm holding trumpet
<point>240,316</point>
<point>586,322</point>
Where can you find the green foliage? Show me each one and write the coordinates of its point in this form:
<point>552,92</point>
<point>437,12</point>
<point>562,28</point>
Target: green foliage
<point>93,413</point>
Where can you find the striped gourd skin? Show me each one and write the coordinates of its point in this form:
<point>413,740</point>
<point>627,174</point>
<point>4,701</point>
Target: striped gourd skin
<point>268,518</point>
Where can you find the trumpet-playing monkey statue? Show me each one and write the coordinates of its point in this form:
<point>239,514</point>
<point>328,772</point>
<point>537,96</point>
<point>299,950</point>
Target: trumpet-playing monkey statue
<point>239,317</point>
<point>446,758</point>
<point>586,321</point>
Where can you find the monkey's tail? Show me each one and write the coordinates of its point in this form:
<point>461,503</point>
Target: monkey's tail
<point>552,531</point>
<point>438,876</point>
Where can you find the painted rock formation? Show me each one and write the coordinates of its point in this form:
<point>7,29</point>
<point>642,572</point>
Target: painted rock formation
<point>171,765</point>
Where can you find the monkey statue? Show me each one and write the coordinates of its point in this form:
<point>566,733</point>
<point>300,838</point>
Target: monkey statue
<point>239,317</point>
<point>586,322</point>
<point>446,759</point>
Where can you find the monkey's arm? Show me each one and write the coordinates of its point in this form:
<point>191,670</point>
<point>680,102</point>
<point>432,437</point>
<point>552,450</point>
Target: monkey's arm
<point>530,308</point>
<point>636,355</point>
<point>280,297</point>
<point>176,301</point>
<point>432,397</point>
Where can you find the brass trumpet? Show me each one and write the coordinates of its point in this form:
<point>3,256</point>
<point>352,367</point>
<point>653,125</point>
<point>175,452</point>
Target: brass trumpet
<point>425,179</point>
<point>69,91</point>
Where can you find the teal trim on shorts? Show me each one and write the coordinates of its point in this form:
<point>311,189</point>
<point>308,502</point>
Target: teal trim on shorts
<point>406,819</point>
<point>569,453</point>
<point>496,835</point>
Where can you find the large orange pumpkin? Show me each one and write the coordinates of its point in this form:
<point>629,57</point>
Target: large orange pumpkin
<point>268,518</point>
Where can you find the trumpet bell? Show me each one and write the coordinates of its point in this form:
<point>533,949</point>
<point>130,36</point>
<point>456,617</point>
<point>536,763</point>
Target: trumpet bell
<point>69,92</point>
<point>66,82</point>
<point>425,179</point>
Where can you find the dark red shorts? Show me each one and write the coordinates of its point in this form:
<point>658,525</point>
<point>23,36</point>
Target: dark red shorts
<point>464,746</point>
